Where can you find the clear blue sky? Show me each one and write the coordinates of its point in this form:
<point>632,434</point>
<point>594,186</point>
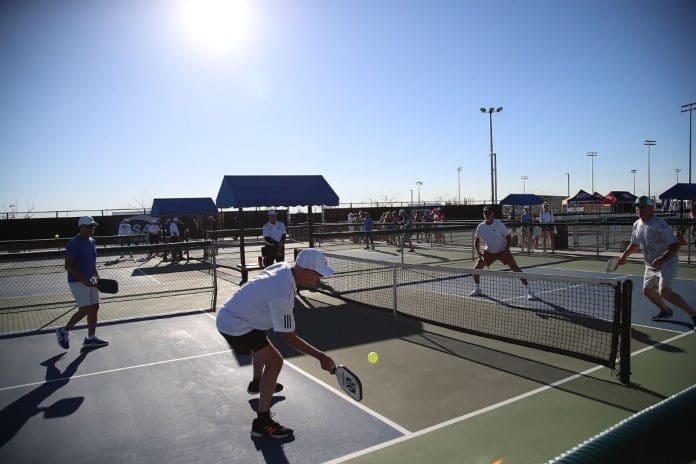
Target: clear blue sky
<point>107,104</point>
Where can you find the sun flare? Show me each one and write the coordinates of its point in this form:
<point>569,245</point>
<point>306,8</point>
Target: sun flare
<point>217,26</point>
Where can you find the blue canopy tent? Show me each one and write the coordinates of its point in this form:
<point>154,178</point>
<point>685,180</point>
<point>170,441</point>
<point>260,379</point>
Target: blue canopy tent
<point>520,199</point>
<point>182,206</point>
<point>517,199</point>
<point>263,191</point>
<point>259,191</point>
<point>678,192</point>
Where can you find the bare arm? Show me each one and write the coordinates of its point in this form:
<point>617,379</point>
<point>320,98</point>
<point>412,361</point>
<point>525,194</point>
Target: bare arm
<point>297,342</point>
<point>632,248</point>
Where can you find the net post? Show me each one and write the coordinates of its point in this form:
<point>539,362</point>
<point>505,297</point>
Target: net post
<point>625,348</point>
<point>394,289</point>
<point>211,253</point>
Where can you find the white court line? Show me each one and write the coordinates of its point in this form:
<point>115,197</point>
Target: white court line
<point>59,379</point>
<point>340,394</point>
<point>364,408</point>
<point>492,407</point>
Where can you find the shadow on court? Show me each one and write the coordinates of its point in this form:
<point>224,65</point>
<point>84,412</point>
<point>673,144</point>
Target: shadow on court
<point>15,415</point>
<point>631,398</point>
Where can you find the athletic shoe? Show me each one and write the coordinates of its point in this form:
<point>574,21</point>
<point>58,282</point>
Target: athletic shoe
<point>476,291</point>
<point>94,342</point>
<point>255,387</point>
<point>663,314</point>
<point>266,427</point>
<point>531,296</point>
<point>63,338</point>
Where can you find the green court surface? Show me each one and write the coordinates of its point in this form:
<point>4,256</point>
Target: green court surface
<point>467,399</point>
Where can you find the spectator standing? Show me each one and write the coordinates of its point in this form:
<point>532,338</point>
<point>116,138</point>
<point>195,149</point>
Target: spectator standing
<point>526,218</point>
<point>154,233</point>
<point>547,227</point>
<point>368,226</point>
<point>124,233</point>
<point>175,231</point>
<point>274,234</point>
<point>406,224</point>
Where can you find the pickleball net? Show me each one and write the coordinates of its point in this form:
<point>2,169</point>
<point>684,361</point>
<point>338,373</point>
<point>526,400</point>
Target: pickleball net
<point>586,318</point>
<point>154,280</point>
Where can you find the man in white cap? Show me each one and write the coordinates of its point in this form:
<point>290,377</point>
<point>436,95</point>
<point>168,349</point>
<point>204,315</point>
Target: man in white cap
<point>267,302</point>
<point>124,232</point>
<point>81,264</point>
<point>274,239</point>
<point>660,252</point>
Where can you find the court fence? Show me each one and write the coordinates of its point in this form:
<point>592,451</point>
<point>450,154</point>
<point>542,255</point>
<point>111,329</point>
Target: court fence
<point>35,294</point>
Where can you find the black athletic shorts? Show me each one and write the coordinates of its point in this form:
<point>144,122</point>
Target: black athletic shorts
<point>255,340</point>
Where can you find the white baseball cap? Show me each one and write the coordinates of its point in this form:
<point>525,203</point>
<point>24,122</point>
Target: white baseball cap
<point>311,258</point>
<point>272,212</point>
<point>86,221</point>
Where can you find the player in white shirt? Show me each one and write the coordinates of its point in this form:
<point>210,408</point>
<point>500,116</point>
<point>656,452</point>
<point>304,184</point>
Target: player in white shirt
<point>547,228</point>
<point>274,238</point>
<point>498,240</point>
<point>125,231</point>
<point>660,252</point>
<point>266,302</point>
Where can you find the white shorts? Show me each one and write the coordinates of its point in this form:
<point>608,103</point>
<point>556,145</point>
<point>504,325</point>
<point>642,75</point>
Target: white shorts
<point>84,295</point>
<point>663,278</point>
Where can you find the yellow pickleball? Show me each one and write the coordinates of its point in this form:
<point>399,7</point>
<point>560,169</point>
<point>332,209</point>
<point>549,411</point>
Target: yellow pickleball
<point>372,357</point>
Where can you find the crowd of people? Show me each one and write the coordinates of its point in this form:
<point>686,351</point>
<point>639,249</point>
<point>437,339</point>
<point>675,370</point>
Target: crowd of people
<point>420,221</point>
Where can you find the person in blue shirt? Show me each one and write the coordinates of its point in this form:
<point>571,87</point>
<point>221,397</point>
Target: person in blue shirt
<point>368,226</point>
<point>81,264</point>
<point>406,224</point>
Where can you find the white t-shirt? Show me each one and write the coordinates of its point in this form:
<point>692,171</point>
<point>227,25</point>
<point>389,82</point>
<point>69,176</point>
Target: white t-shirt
<point>124,228</point>
<point>265,302</point>
<point>494,234</point>
<point>274,231</point>
<point>173,229</point>
<point>546,217</point>
<point>654,237</point>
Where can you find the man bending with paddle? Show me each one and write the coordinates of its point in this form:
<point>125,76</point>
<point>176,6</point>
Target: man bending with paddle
<point>81,264</point>
<point>267,302</point>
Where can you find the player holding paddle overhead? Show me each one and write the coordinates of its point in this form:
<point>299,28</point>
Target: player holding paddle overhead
<point>498,240</point>
<point>660,247</point>
<point>274,238</point>
<point>81,264</point>
<point>267,302</point>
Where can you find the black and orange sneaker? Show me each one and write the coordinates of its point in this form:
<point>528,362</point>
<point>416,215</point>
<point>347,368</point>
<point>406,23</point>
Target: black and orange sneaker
<point>255,387</point>
<point>265,426</point>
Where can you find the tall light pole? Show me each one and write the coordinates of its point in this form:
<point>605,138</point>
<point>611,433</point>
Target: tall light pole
<point>649,143</point>
<point>524,183</point>
<point>418,184</point>
<point>568,176</point>
<point>633,171</point>
<point>494,167</point>
<point>677,171</point>
<point>690,107</point>
<point>459,185</point>
<point>592,155</point>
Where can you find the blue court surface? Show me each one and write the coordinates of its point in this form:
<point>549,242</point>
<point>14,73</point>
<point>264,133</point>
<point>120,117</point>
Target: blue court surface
<point>165,390</point>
